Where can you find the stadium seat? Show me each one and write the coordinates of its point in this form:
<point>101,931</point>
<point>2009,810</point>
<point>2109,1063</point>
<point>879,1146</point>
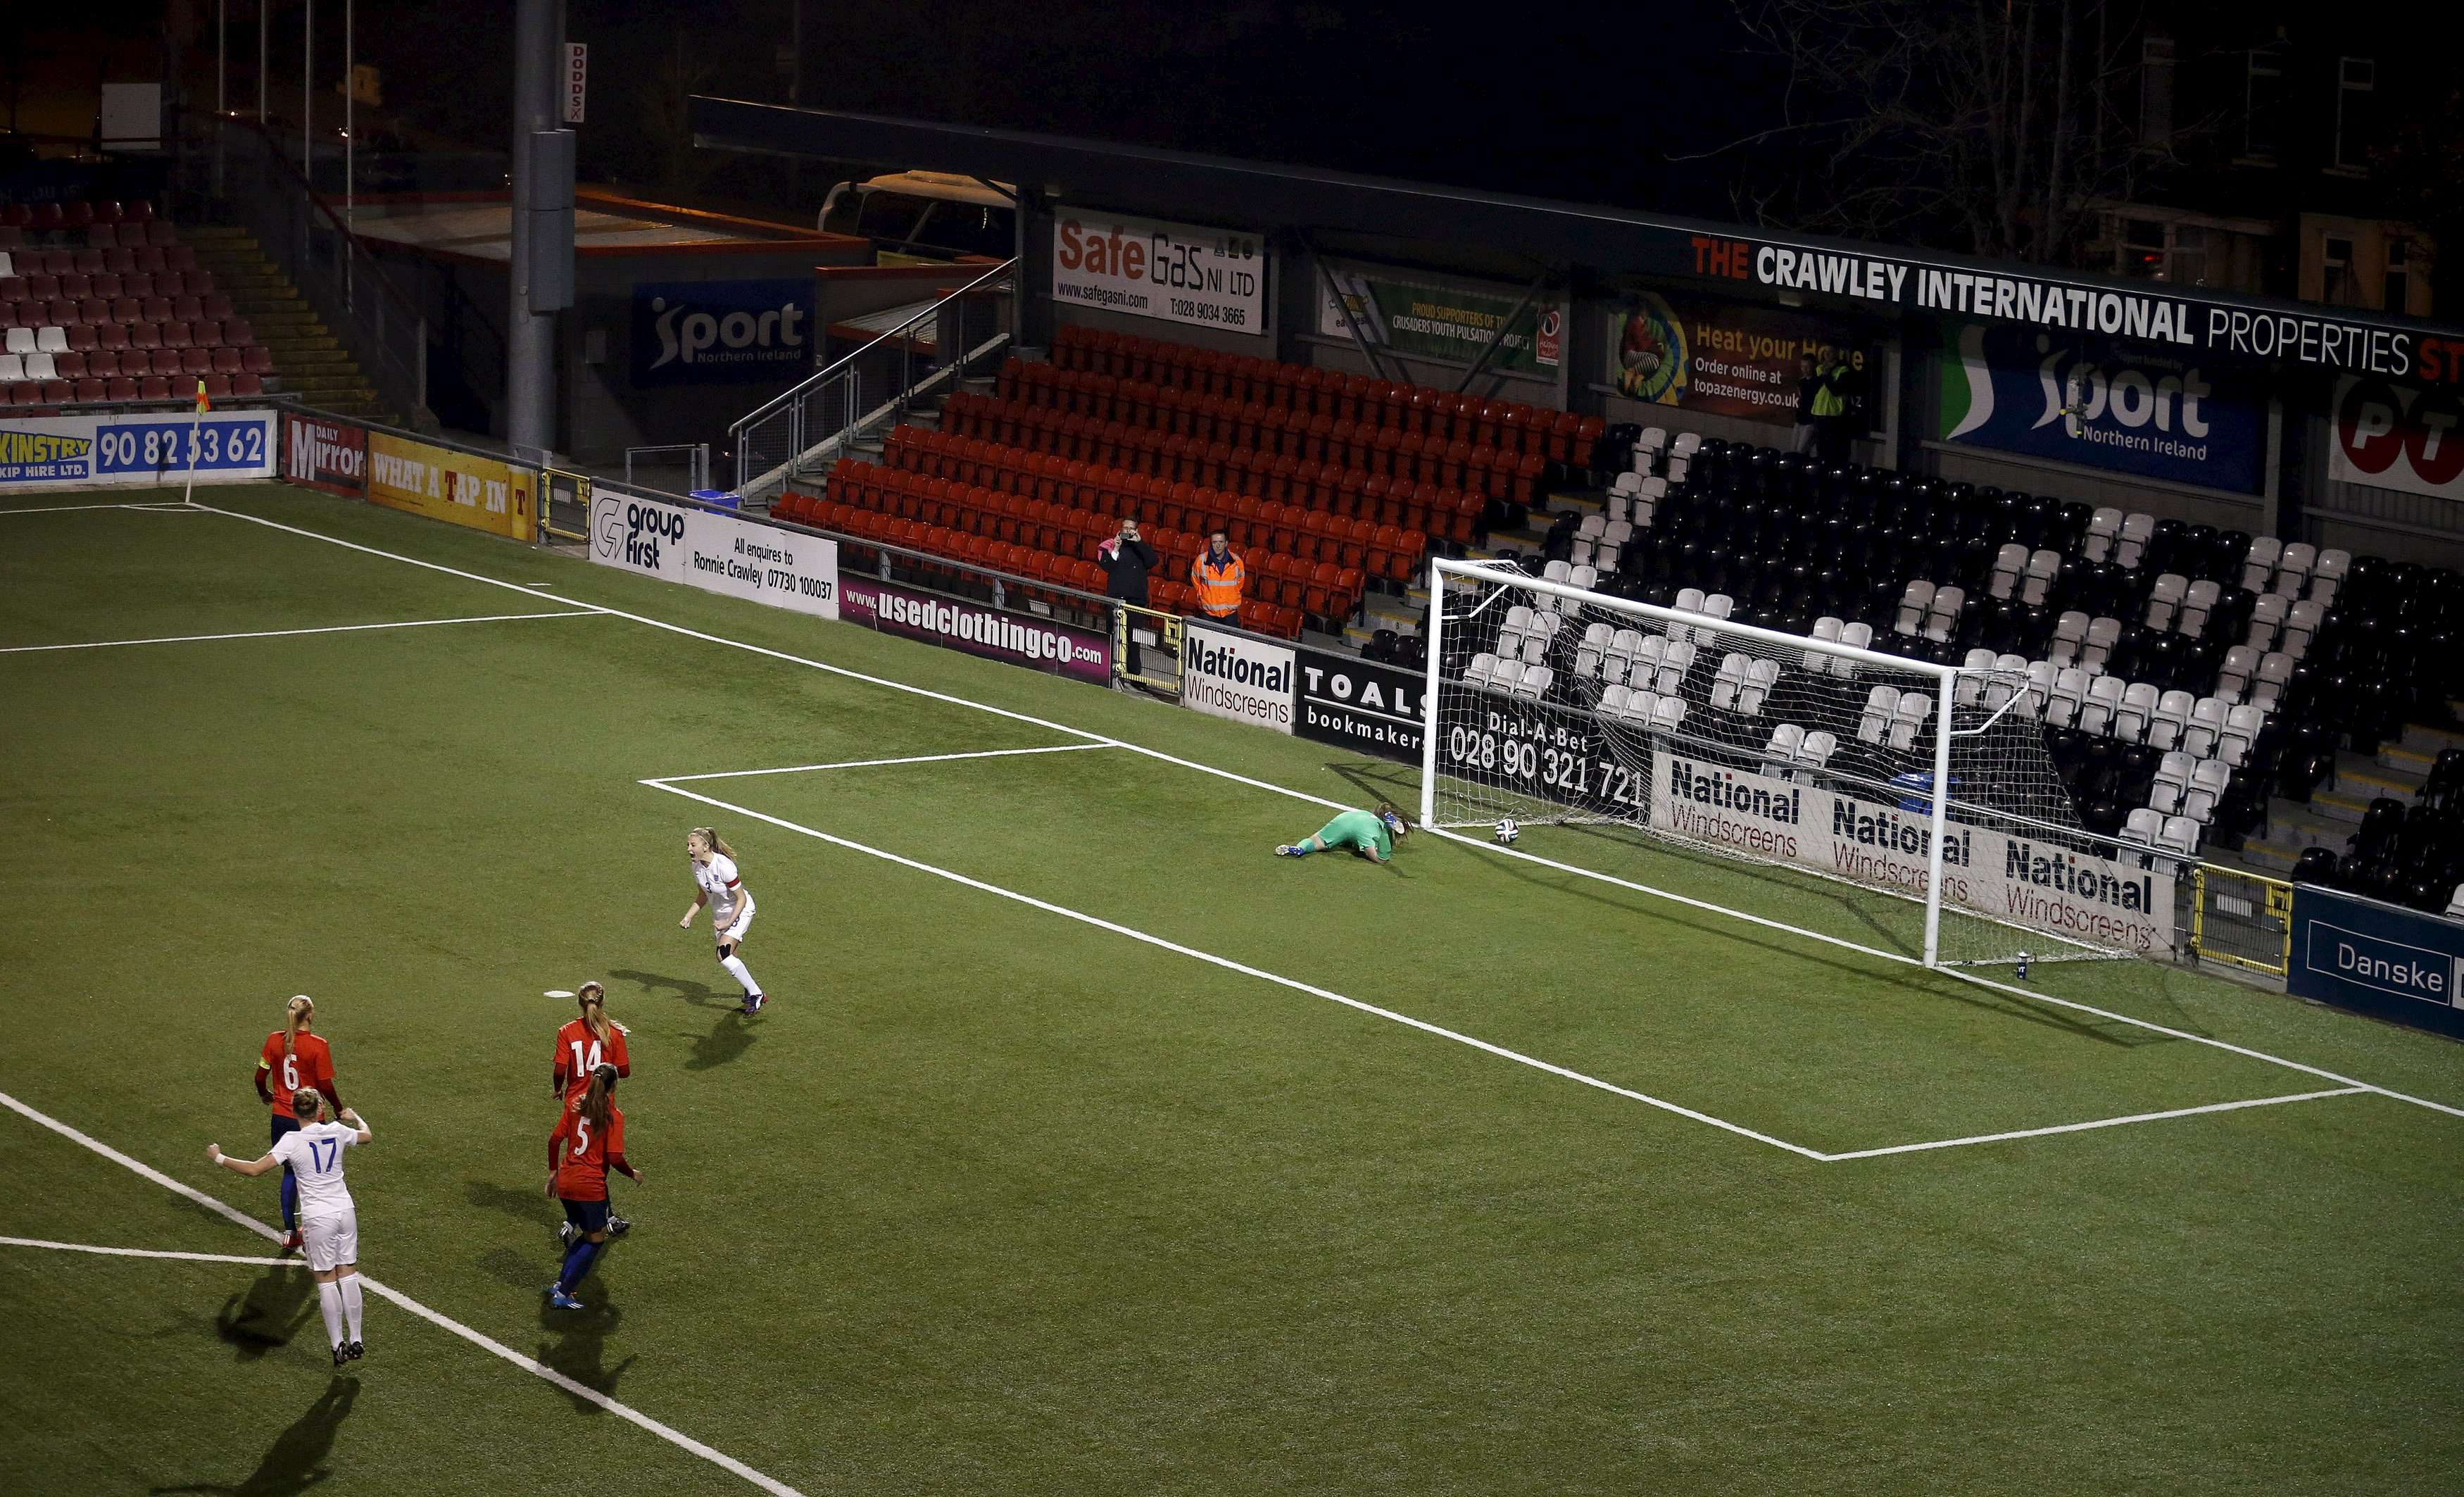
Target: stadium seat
<point>2103,701</point>
<point>2137,710</point>
<point>2209,780</point>
<point>2180,834</point>
<point>2243,727</point>
<point>1881,705</point>
<point>2171,720</point>
<point>2144,827</point>
<point>2207,726</point>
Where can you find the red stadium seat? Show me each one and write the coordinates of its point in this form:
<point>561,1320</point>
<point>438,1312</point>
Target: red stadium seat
<point>218,386</point>
<point>90,391</point>
<point>121,388</point>
<point>228,361</point>
<point>196,361</point>
<point>137,210</point>
<point>146,335</point>
<point>245,384</point>
<point>69,365</point>
<point>165,360</point>
<point>111,335</point>
<point>102,362</point>
<point>154,386</point>
<point>83,336</point>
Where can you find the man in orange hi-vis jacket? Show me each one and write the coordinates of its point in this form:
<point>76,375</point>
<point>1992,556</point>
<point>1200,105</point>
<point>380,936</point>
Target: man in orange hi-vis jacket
<point>1217,577</point>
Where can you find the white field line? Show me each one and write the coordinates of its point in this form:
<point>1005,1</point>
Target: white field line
<point>816,665</point>
<point>876,763</point>
<point>1242,968</point>
<point>2101,1122</point>
<point>1297,795</point>
<point>563,1384</point>
<point>149,1252</point>
<point>2029,994</point>
<point>330,629</point>
<point>62,509</point>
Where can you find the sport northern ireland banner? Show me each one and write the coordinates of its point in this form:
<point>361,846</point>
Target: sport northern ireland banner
<point>716,553</point>
<point>2398,436</point>
<point>482,493</point>
<point>135,451</point>
<point>1425,321</point>
<point>1239,676</point>
<point>325,455</point>
<point>2020,881</point>
<point>1179,273</point>
<point>2133,409</point>
<point>1019,639</point>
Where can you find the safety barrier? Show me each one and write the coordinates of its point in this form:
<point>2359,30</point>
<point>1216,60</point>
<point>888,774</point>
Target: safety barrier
<point>2240,918</point>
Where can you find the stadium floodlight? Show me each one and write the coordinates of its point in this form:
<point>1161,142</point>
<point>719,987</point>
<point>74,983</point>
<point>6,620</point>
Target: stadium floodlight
<point>1549,704</point>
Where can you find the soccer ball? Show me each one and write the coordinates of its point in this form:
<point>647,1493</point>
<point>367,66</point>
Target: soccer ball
<point>1508,829</point>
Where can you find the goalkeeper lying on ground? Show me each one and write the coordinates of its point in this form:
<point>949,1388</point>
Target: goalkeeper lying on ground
<point>1369,833</point>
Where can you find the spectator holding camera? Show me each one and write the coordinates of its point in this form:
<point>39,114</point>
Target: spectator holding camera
<point>1126,560</point>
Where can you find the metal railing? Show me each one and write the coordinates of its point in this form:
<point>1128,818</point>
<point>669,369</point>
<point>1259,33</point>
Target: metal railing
<point>695,464</point>
<point>2240,918</point>
<point>261,190</point>
<point>874,384</point>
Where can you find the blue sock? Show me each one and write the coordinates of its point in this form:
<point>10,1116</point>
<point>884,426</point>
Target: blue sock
<point>1302,849</point>
<point>578,1260</point>
<point>289,1200</point>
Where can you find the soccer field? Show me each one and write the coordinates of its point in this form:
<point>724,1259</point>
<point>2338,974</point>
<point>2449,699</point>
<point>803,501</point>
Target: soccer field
<point>1084,1147</point>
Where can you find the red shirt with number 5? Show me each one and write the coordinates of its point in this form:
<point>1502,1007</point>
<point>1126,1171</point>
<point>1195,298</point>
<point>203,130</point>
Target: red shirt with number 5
<point>582,1153</point>
<point>310,1064</point>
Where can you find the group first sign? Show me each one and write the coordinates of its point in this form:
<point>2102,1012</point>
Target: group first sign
<point>1176,272</point>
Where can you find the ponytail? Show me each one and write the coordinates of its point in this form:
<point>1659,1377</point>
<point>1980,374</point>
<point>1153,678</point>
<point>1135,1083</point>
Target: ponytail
<point>717,845</point>
<point>594,1010</point>
<point>296,1015</point>
<point>594,1102</point>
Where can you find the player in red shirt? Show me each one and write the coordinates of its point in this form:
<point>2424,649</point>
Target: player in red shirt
<point>588,1141</point>
<point>293,1059</point>
<point>582,1046</point>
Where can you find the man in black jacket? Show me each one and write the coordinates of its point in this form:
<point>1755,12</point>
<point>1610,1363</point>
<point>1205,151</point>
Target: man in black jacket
<point>1125,561</point>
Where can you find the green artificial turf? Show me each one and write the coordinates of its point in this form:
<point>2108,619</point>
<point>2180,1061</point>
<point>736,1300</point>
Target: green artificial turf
<point>993,1200</point>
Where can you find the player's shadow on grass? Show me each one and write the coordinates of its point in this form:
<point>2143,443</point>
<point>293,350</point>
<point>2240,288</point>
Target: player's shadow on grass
<point>726,1041</point>
<point>701,994</point>
<point>269,1314</point>
<point>296,1461</point>
<point>579,1347</point>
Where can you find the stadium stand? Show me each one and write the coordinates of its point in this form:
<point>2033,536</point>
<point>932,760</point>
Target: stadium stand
<point>1330,484</point>
<point>2184,674</point>
<point>99,302</point>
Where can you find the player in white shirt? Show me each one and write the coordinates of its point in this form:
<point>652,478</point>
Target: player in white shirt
<point>717,885</point>
<point>327,1218</point>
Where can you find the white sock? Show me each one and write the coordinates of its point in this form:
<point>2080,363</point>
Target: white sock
<point>735,966</point>
<point>329,1300</point>
<point>352,1302</point>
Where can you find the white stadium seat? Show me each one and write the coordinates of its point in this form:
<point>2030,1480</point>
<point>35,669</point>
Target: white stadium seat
<point>1914,708</point>
<point>1915,601</point>
<point>2207,782</point>
<point>2104,529</point>
<point>2207,725</point>
<point>2070,637</point>
<point>2044,567</point>
<point>2180,834</point>
<point>1674,663</point>
<point>2138,709</point>
<point>2172,719</point>
<point>2103,634</point>
<point>2103,702</point>
<point>2242,726</point>
<point>2258,569</point>
<point>1881,703</point>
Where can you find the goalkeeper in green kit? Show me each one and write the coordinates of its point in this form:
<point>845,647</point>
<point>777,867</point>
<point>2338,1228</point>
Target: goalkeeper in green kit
<point>1369,833</point>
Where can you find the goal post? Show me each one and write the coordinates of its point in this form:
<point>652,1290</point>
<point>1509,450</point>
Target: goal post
<point>1925,784</point>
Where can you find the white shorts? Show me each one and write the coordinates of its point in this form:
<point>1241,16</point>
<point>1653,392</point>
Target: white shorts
<point>730,935</point>
<point>332,1241</point>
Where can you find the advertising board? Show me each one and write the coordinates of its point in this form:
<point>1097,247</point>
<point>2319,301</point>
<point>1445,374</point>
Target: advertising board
<point>1176,272</point>
<point>1358,704</point>
<point>2398,436</point>
<point>722,332</point>
<point>482,493</point>
<point>1019,639</point>
<point>135,451</point>
<point>2378,958</point>
<point>1443,322</point>
<point>716,553</point>
<point>325,455</point>
<point>1237,677</point>
<point>1721,358</point>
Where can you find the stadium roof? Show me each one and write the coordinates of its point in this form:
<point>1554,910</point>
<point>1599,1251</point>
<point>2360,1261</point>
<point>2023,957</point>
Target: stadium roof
<point>1260,195</point>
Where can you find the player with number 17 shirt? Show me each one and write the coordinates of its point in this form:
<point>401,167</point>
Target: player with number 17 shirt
<point>294,1059</point>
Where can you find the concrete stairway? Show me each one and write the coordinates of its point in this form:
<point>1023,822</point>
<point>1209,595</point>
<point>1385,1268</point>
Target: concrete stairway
<point>310,361</point>
<point>2396,772</point>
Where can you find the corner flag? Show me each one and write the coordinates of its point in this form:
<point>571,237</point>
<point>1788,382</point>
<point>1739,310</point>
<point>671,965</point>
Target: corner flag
<point>203,404</point>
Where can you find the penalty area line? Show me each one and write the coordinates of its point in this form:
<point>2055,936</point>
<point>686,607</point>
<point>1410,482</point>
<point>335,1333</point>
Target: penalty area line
<point>2101,1122</point>
<point>876,763</point>
<point>329,628</point>
<point>150,1252</point>
<point>2030,994</point>
<point>1242,968</point>
<point>394,1296</point>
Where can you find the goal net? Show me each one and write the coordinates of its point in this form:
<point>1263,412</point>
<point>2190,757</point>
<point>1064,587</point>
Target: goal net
<point>1549,705</point>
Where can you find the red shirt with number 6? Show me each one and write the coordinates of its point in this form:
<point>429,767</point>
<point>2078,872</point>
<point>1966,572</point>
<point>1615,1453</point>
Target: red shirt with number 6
<point>310,1064</point>
<point>582,1153</point>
